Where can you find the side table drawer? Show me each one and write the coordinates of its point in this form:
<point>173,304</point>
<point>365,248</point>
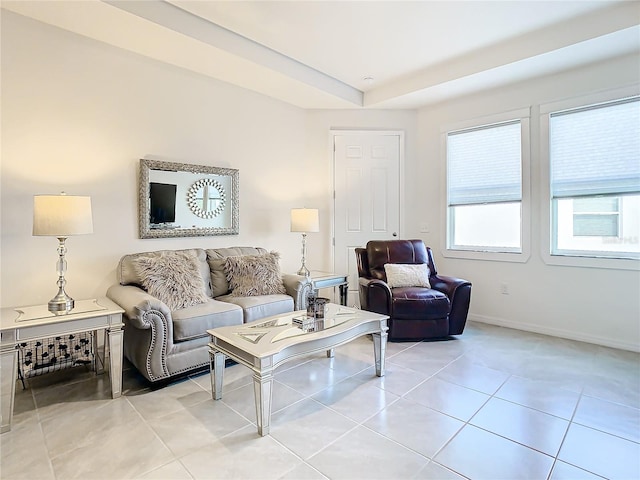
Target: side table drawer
<point>62,328</point>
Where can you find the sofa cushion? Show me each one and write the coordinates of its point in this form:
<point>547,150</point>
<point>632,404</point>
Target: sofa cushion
<point>193,322</point>
<point>403,275</point>
<point>173,278</point>
<point>216,260</point>
<point>256,308</point>
<point>251,275</point>
<point>127,274</point>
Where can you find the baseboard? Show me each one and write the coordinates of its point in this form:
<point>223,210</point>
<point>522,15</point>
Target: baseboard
<point>555,332</point>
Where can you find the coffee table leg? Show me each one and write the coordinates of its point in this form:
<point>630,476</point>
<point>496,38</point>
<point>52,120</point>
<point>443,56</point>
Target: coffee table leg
<point>262,390</point>
<point>216,366</point>
<point>379,351</point>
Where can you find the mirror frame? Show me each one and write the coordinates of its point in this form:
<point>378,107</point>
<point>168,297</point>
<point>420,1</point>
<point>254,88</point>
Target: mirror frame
<point>144,223</point>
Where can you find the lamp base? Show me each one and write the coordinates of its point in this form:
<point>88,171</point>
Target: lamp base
<point>61,303</point>
<point>304,271</point>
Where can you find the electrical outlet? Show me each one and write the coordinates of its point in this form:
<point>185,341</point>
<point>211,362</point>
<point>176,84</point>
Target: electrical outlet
<point>504,289</point>
<point>424,227</point>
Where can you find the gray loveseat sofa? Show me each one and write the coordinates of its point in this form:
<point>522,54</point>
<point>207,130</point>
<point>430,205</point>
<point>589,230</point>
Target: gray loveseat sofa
<point>163,341</point>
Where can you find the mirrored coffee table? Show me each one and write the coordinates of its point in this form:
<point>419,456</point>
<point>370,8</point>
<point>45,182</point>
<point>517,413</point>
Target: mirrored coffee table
<point>265,344</point>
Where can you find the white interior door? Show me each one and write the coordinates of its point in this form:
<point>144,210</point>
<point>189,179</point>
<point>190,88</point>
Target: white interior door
<point>367,196</point>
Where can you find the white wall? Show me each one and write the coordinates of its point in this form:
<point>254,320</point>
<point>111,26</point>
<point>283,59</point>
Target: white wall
<point>596,305</point>
<point>78,115</point>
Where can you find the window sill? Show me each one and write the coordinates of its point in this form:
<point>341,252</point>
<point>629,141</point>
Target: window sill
<point>592,262</point>
<point>521,257</point>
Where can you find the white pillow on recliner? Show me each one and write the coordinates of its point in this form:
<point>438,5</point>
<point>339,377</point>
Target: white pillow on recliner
<point>407,275</point>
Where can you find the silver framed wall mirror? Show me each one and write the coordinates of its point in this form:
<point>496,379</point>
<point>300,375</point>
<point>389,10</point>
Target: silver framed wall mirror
<point>186,200</point>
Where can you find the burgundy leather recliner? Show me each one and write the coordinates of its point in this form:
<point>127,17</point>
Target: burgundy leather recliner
<point>415,313</point>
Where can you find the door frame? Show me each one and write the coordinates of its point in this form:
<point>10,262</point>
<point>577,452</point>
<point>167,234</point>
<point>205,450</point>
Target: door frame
<point>333,132</point>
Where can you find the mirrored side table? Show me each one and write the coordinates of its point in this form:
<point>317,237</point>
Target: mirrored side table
<point>24,324</point>
<point>319,280</point>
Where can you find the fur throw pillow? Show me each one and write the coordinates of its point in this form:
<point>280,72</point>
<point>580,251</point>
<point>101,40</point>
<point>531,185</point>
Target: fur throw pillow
<point>251,275</point>
<point>407,275</point>
<point>173,278</point>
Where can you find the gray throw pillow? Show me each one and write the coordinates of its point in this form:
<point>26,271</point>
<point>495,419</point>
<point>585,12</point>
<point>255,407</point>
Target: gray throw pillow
<point>251,275</point>
<point>173,278</point>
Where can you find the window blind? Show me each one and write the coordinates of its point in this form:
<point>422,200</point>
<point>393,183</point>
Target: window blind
<point>596,150</point>
<point>484,165</point>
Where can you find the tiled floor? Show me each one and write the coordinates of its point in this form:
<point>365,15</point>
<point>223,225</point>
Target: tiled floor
<point>492,404</point>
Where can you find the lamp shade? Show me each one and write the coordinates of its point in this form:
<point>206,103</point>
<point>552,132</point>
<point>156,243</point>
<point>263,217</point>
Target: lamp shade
<point>305,220</point>
<point>62,215</point>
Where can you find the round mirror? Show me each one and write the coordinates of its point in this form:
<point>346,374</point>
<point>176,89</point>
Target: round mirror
<point>206,198</point>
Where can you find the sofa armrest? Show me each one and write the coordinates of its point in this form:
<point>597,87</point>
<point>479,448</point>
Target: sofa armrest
<point>297,286</point>
<point>152,325</point>
<point>375,295</point>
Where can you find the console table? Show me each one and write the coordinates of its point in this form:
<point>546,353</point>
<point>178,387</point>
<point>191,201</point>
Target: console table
<point>24,324</point>
<point>320,280</point>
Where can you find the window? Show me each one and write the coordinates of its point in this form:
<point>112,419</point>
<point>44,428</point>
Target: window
<point>596,217</point>
<point>594,159</point>
<point>485,187</point>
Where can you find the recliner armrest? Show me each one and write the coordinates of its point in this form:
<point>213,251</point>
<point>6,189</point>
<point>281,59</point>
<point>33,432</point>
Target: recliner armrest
<point>459,293</point>
<point>447,285</point>
<point>375,295</point>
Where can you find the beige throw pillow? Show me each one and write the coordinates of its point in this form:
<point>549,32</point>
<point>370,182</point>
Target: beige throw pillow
<point>173,278</point>
<point>251,275</point>
<point>407,275</point>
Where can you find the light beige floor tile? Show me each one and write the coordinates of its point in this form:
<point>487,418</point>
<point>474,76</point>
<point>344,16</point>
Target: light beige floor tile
<point>241,455</point>
<point>303,472</point>
<point>172,471</point>
<point>308,426</point>
<point>355,399</point>
<point>416,427</point>
<point>358,455</point>
<point>564,471</point>
<point>451,399</point>
<point>192,428</point>
<point>465,373</point>
<point>609,417</point>
<point>174,397</point>
<point>477,454</point>
<point>348,366</point>
<point>396,379</point>
<point>625,391</point>
<point>234,376</point>
<point>67,421</point>
<point>601,453</point>
<point>427,357</point>
<point>23,452</point>
<point>71,398</point>
<point>434,471</point>
<point>311,377</point>
<point>242,399</point>
<point>65,433</point>
<point>548,397</point>
<point>125,451</point>
<point>537,430</point>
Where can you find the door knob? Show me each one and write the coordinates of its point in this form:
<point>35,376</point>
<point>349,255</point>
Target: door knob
<point>394,234</point>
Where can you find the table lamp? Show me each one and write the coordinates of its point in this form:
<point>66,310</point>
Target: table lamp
<point>304,220</point>
<point>61,216</point>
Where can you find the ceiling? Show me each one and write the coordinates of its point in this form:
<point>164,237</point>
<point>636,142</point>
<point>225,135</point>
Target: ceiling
<point>357,54</point>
